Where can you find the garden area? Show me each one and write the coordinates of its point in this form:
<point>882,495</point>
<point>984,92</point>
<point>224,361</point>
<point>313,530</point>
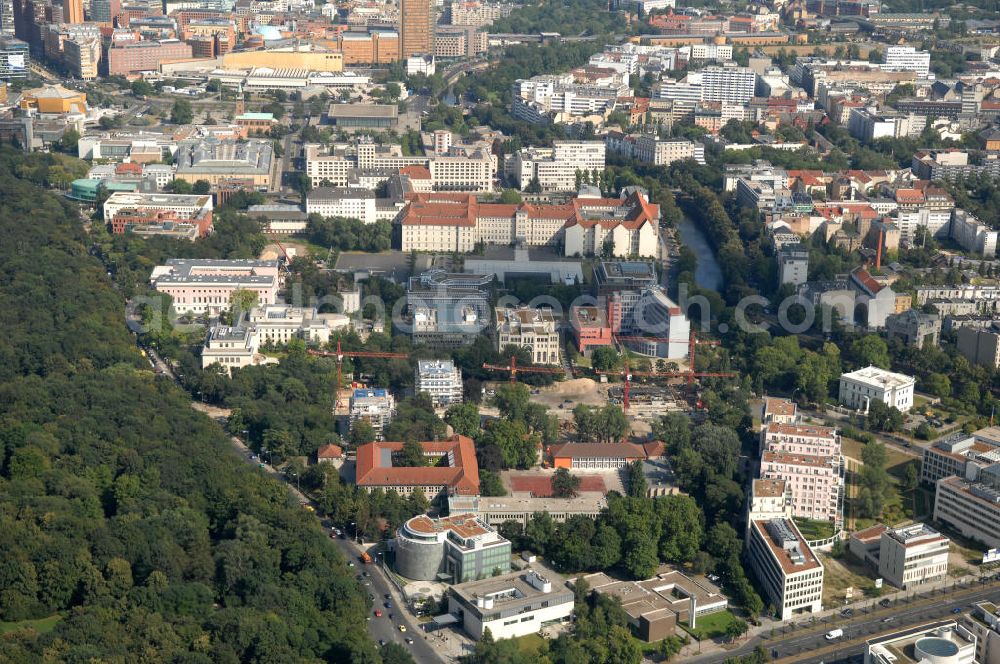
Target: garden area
<point>814,529</point>
<point>712,626</point>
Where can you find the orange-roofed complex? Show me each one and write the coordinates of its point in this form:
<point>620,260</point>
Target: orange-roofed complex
<point>458,222</point>
<point>455,470</point>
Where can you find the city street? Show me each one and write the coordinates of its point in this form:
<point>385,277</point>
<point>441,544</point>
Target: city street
<point>808,643</point>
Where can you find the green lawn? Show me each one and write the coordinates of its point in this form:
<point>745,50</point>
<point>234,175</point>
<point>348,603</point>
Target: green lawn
<point>813,529</point>
<point>530,643</point>
<point>40,625</point>
<point>710,626</point>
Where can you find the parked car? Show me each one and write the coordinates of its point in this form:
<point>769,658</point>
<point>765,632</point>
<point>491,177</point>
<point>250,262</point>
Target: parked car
<point>378,613</point>
<point>834,634</point>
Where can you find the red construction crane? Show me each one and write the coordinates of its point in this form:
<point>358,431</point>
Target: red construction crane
<point>627,374</point>
<point>514,369</point>
<point>341,354</point>
<point>288,259</point>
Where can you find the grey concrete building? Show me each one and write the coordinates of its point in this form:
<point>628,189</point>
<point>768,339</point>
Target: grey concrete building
<point>914,328</point>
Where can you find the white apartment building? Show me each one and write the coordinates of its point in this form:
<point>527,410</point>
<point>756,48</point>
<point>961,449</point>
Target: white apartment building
<point>556,167</point>
<point>333,169</point>
<point>973,235</point>
<point>653,150</point>
<point>200,286</point>
<point>800,439</point>
<point>866,125</point>
<point>913,555</point>
<point>787,569</point>
<point>936,223</point>
<point>972,508</point>
<point>534,329</point>
<point>376,406</point>
<point>769,499</point>
<point>350,203</point>
<point>859,388</point>
<point>510,605</point>
<point>943,642</point>
<point>907,58</point>
<point>727,83</point>
<point>816,482</point>
<point>441,380</point>
<point>183,206</point>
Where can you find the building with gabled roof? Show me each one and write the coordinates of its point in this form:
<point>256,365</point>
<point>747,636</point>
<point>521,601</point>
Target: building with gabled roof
<point>456,470</point>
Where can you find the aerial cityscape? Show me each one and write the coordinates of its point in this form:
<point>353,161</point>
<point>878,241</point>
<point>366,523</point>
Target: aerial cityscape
<point>488,332</point>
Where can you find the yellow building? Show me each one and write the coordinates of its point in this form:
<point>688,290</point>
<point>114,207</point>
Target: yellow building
<point>54,99</point>
<point>312,60</point>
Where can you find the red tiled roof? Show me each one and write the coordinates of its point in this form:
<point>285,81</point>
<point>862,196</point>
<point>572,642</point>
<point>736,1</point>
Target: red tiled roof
<point>330,451</point>
<point>416,172</point>
<point>460,476</point>
<point>865,280</point>
<point>602,450</point>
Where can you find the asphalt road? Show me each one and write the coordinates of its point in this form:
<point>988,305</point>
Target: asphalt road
<point>379,628</point>
<point>809,645</point>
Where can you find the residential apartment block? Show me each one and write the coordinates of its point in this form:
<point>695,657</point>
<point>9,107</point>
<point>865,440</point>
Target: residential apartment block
<point>441,380</point>
<point>534,329</point>
<point>800,439</point>
<point>816,482</point>
<point>787,569</point>
<point>650,149</point>
<point>913,555</point>
<point>769,499</point>
<point>145,56</point>
<point>375,406</point>
<point>349,203</point>
<point>205,286</point>
<point>980,346</point>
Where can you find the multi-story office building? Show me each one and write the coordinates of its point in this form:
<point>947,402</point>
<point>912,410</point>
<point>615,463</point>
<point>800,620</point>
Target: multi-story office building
<point>621,284</point>
<point>510,605</point>
<point>374,406</point>
<point>73,11</point>
<point>126,59</point>
<point>205,286</point>
<point>350,203</point>
<point>441,380</point>
<point>984,622</point>
<point>816,482</point>
<point>15,58</point>
<point>451,469</point>
<point>859,388</point>
<point>123,210</point>
<point>907,58</point>
<point>866,125</point>
<point>416,27</point>
<point>785,566</point>
<point>448,310</point>
<point>373,46</point>
<point>82,56</point>
<point>7,28</point>
<point>793,264</point>
<point>959,454</point>
<point>800,439</point>
<point>104,11</point>
<point>534,329</point>
<point>279,324</point>
<point>556,168</point>
<point>658,316</point>
<point>913,555</point>
<point>456,548</point>
<point>972,508</point>
<point>939,643</point>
